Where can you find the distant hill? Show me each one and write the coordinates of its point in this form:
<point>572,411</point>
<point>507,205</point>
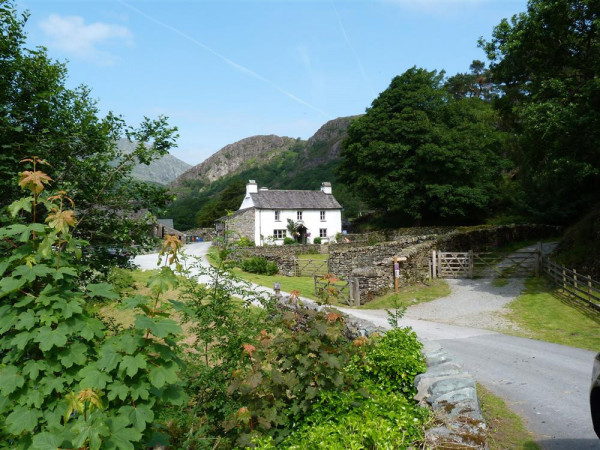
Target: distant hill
<point>162,171</point>
<point>208,190</point>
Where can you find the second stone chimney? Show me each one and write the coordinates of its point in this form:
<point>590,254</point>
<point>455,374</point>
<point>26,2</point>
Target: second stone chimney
<point>251,187</point>
<point>326,187</point>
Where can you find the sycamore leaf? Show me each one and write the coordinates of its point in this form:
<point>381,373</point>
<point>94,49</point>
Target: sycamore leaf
<point>33,368</point>
<point>52,383</point>
<point>93,378</point>
<point>140,390</point>
<point>61,220</point>
<point>74,354</point>
<point>10,380</point>
<point>23,204</point>
<point>47,441</point>
<point>117,389</point>
<point>131,364</point>
<point>21,340</point>
<point>34,180</point>
<point>8,285</point>
<point>26,320</point>
<point>109,357</point>
<point>161,375</point>
<point>22,419</point>
<point>48,338</point>
<point>159,327</point>
<point>121,434</point>
<point>89,432</point>
<point>102,290</point>
<point>139,416</point>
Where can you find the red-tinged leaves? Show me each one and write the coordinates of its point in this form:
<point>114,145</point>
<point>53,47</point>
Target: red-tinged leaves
<point>34,181</point>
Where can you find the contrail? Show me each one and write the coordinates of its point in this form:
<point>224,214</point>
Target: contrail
<point>231,63</point>
<point>360,64</point>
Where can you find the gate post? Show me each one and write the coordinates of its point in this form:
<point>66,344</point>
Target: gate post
<point>433,265</point>
<point>540,261</point>
<point>355,291</point>
<point>470,263</point>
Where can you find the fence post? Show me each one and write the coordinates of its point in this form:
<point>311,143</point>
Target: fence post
<point>589,284</point>
<point>564,278</point>
<point>575,278</point>
<point>539,262</point>
<point>315,281</point>
<point>433,265</point>
<point>470,263</point>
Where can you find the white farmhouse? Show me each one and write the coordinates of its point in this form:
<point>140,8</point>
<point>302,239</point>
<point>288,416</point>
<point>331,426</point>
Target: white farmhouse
<point>264,213</point>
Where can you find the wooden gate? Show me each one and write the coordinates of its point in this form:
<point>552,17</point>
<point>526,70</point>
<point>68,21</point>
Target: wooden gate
<point>310,267</point>
<point>340,289</point>
<point>521,264</point>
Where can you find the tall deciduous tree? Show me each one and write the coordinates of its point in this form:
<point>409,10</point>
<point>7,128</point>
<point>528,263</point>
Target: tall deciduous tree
<point>547,61</point>
<point>423,152</point>
<point>40,116</point>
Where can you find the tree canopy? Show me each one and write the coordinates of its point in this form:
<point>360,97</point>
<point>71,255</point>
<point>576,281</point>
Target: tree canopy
<point>547,63</point>
<point>424,152</point>
<point>40,116</point>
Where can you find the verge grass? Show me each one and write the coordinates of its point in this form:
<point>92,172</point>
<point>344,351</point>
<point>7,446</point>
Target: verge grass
<point>505,428</point>
<point>305,285</point>
<point>411,295</point>
<point>547,314</point>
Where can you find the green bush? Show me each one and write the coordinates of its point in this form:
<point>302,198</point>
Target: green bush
<point>121,279</point>
<point>317,240</point>
<point>259,265</point>
<point>288,241</point>
<point>243,242</point>
<point>344,420</point>
<point>394,361</point>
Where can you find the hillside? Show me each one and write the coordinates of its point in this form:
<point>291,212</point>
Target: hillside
<point>162,171</point>
<point>275,162</point>
<point>233,158</point>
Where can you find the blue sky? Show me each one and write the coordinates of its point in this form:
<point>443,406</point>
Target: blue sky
<point>225,70</point>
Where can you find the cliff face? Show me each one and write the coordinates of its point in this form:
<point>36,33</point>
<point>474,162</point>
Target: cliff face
<point>234,158</point>
<point>256,151</point>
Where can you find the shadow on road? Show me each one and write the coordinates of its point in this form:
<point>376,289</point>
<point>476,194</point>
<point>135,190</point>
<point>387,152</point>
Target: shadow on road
<point>569,444</point>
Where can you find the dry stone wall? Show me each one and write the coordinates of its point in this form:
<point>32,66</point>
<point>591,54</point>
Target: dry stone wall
<point>282,255</point>
<point>206,234</point>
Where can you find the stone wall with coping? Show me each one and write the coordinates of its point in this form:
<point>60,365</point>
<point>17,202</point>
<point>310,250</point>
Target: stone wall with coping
<point>282,255</point>
<point>372,265</point>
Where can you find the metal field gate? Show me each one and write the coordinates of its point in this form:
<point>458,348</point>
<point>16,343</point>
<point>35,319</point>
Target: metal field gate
<point>520,264</point>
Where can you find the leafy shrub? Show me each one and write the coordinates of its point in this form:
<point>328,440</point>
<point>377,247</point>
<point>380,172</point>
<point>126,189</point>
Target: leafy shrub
<point>121,279</point>
<point>288,241</point>
<point>394,361</point>
<point>343,420</point>
<point>317,240</point>
<point>259,265</point>
<point>244,242</point>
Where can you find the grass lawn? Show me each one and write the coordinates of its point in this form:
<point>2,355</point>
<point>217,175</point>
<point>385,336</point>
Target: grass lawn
<point>505,427</point>
<point>305,285</point>
<point>411,295</point>
<point>545,313</point>
<point>315,256</point>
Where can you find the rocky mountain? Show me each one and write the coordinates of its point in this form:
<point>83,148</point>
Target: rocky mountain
<point>162,171</point>
<point>259,151</point>
<point>233,158</point>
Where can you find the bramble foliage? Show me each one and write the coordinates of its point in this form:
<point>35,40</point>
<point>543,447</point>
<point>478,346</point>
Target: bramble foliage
<point>64,381</point>
<point>286,371</point>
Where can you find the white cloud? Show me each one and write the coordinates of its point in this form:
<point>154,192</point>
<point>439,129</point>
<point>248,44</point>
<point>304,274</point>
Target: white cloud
<point>71,35</point>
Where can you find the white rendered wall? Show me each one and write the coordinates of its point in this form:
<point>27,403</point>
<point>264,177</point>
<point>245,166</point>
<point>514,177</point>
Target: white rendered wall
<point>311,218</point>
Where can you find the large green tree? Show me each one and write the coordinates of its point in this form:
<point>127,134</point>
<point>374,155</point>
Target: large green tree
<point>423,152</point>
<point>547,62</point>
<point>40,116</point>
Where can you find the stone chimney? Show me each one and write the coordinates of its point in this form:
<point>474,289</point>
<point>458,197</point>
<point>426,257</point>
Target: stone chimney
<point>251,187</point>
<point>326,187</point>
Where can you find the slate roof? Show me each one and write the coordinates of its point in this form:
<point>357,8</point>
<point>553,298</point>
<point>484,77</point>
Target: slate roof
<point>294,200</point>
<point>231,216</point>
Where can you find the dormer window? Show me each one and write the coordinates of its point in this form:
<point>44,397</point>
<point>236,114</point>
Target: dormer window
<point>277,216</point>
<point>299,215</point>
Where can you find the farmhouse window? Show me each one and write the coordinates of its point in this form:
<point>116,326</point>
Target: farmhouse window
<point>322,214</point>
<point>323,232</point>
<point>299,215</point>
<point>278,234</point>
<point>277,216</point>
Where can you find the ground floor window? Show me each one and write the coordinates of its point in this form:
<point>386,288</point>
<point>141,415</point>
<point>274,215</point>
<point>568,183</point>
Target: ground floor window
<point>323,232</point>
<point>278,234</point>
